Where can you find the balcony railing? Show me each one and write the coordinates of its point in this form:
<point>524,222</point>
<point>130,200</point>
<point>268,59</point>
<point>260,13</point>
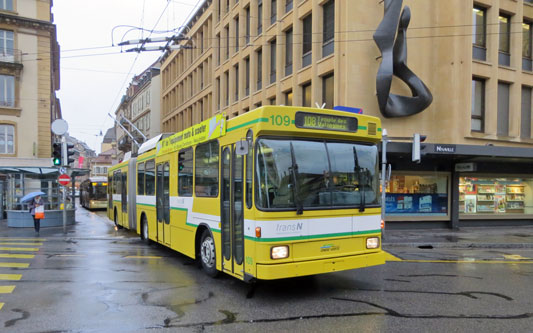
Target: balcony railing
<point>11,56</point>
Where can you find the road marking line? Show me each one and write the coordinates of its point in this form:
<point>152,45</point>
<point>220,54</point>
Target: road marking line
<point>468,261</point>
<point>15,243</point>
<point>14,264</point>
<point>70,255</point>
<point>6,289</point>
<point>19,249</point>
<point>143,257</point>
<point>19,256</point>
<point>515,257</point>
<point>22,239</point>
<point>1,306</point>
<point>390,257</point>
<point>11,277</point>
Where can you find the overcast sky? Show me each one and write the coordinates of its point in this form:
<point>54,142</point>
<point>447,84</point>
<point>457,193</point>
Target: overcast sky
<point>94,75</point>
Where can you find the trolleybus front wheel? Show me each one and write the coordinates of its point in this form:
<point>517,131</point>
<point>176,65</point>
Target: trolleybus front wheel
<point>208,254</point>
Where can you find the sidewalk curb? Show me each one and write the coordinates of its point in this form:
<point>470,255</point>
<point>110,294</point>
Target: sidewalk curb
<point>430,245</point>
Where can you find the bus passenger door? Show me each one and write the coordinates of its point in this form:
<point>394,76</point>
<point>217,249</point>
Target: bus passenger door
<point>124,200</point>
<point>163,203</point>
<point>231,212</point>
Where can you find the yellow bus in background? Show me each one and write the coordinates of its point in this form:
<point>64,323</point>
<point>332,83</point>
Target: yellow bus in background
<point>274,193</point>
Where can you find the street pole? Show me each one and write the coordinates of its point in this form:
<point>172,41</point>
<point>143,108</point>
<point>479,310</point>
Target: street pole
<point>64,156</point>
<point>384,142</point>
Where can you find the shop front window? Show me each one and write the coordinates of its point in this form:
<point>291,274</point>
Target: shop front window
<point>412,195</point>
<point>486,195</point>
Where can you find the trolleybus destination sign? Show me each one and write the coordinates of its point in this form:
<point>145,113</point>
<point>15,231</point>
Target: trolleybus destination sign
<point>325,122</point>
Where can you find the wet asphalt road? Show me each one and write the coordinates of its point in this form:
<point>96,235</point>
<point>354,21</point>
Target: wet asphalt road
<point>97,279</point>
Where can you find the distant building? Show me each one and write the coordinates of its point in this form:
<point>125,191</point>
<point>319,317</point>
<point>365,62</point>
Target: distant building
<point>140,106</point>
<point>102,162</point>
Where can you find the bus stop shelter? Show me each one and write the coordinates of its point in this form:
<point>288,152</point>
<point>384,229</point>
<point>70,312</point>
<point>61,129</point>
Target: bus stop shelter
<point>16,182</point>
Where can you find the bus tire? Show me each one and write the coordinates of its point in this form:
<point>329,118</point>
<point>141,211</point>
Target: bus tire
<point>117,226</point>
<point>144,230</point>
<point>208,254</point>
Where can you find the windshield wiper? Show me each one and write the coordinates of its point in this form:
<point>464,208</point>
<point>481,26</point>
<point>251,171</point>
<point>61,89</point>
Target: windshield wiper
<point>357,171</point>
<point>296,185</point>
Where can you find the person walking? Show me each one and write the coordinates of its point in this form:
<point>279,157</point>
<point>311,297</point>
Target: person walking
<point>37,202</point>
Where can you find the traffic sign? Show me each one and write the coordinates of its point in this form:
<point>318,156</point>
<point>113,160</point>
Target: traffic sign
<point>64,179</point>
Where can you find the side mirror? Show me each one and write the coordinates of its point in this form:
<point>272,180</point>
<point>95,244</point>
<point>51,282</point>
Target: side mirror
<point>241,147</point>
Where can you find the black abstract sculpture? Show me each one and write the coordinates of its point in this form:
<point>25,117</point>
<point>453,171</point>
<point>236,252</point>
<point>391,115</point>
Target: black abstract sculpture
<point>394,57</point>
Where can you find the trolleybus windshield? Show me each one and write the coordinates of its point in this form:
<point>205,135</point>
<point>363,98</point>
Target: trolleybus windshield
<point>329,174</point>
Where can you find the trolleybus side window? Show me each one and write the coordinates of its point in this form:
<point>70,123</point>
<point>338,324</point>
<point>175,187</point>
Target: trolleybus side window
<point>249,176</point>
<point>140,179</point>
<point>117,182</point>
<point>185,169</point>
<point>149,179</point>
<point>206,172</point>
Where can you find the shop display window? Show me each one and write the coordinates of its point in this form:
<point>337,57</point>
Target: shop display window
<point>412,195</point>
<point>479,195</point>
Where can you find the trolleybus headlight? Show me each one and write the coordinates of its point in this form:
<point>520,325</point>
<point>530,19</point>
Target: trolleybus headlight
<point>279,252</point>
<point>372,242</point>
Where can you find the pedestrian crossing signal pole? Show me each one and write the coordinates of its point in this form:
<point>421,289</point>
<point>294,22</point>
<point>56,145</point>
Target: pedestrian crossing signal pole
<point>64,158</point>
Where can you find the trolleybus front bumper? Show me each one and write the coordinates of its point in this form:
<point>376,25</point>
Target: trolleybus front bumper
<point>312,267</point>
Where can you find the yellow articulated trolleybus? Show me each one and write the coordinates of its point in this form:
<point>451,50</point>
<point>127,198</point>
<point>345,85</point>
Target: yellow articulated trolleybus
<point>275,193</point>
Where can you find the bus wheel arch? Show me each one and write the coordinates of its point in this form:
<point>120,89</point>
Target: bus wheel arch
<point>115,216</point>
<point>206,250</point>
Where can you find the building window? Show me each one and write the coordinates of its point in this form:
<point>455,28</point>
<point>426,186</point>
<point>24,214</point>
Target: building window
<point>503,108</point>
<point>7,91</point>
<point>479,34</point>
<point>328,90</point>
<point>219,46</point>
<point>288,98</point>
<point>226,32</point>
<point>247,77</point>
<point>288,6</point>
<point>7,139</point>
<point>259,69</point>
<point>525,121</point>
<point>273,61</point>
<point>217,84</point>
<point>6,46</point>
<point>526,46</point>
<point>247,37</point>
<point>236,82</point>
<point>495,195</point>
<point>288,52</point>
<point>306,94</point>
<point>307,40</point>
<point>273,11</point>
<point>420,195</point>
<point>226,82</point>
<point>237,34</point>
<point>259,17</point>
<point>6,4</point>
<point>478,105</point>
<point>328,44</point>
<point>504,57</point>
<point>272,100</point>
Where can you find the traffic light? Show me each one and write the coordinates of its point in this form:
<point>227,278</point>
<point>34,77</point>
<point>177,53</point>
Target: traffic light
<point>181,159</point>
<point>70,152</point>
<point>56,153</point>
<point>417,138</point>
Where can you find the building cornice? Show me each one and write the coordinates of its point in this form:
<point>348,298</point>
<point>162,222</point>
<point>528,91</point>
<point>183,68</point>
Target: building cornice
<point>26,22</point>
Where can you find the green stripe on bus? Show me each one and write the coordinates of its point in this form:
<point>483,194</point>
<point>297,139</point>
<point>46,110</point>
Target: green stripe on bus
<point>196,226</point>
<point>310,237</point>
<point>146,205</point>
<point>146,158</point>
<point>258,120</point>
<point>362,127</point>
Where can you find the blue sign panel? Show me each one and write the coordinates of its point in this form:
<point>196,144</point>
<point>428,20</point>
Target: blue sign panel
<point>416,204</point>
<point>348,109</point>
